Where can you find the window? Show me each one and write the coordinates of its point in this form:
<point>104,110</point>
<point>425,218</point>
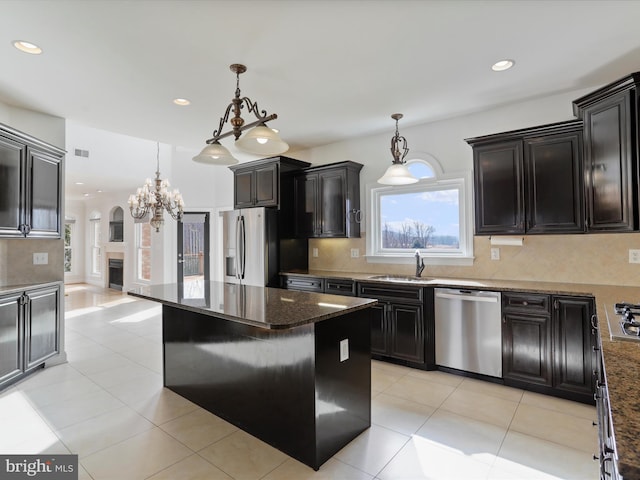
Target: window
<point>430,216</point>
<point>143,251</point>
<point>94,241</point>
<point>68,234</point>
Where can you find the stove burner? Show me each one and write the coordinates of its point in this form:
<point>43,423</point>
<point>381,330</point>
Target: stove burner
<point>630,326</point>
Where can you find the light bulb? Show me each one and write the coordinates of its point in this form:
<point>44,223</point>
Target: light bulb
<point>261,140</point>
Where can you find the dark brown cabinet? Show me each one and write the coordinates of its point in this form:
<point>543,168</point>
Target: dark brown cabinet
<point>397,321</point>
<point>308,283</point>
<point>611,153</point>
<point>327,201</point>
<point>11,335</point>
<point>548,343</point>
<point>263,183</point>
<point>526,338</point>
<point>529,181</point>
<point>573,339</point>
<point>29,330</point>
<point>30,186</point>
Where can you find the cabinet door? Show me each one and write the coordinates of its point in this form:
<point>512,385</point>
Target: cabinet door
<point>11,335</point>
<point>609,164</point>
<point>554,183</point>
<point>266,188</point>
<point>333,191</point>
<point>526,348</point>
<point>379,338</point>
<point>574,341</point>
<point>406,332</point>
<point>13,171</point>
<point>306,198</point>
<point>243,185</point>
<point>41,321</point>
<point>44,205</point>
<point>499,188</point>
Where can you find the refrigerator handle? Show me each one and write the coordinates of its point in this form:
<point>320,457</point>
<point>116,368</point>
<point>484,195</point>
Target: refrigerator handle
<point>241,252</point>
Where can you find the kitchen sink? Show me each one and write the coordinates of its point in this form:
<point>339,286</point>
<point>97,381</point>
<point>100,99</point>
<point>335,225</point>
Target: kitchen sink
<point>398,278</point>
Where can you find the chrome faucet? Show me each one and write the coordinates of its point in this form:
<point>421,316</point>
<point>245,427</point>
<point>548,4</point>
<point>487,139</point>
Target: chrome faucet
<point>419,264</point>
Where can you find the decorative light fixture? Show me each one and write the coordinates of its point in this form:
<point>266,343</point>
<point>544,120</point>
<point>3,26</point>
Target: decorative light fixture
<point>260,140</point>
<point>153,199</point>
<point>398,173</point>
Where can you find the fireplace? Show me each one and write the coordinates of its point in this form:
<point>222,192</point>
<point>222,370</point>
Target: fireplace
<point>116,268</point>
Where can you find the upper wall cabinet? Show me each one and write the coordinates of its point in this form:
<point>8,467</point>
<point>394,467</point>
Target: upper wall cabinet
<point>30,186</point>
<point>529,181</point>
<point>263,183</point>
<point>611,153</point>
<point>327,201</point>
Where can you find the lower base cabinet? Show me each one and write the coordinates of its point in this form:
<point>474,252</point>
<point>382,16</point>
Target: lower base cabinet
<point>548,344</point>
<point>29,330</point>
<point>398,324</point>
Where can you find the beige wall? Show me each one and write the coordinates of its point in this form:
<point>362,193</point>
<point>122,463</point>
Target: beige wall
<point>592,258</point>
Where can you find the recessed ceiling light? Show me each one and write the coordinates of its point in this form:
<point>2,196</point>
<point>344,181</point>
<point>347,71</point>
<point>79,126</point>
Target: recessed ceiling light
<point>79,183</point>
<point>27,47</point>
<point>86,194</point>
<point>502,65</point>
<point>183,102</point>
<point>99,191</point>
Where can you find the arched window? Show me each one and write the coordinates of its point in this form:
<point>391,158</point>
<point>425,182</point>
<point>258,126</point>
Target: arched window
<point>116,225</point>
<point>431,216</point>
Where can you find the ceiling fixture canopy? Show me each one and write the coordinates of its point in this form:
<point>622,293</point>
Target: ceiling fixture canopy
<point>260,140</point>
<point>398,173</point>
<point>154,197</point>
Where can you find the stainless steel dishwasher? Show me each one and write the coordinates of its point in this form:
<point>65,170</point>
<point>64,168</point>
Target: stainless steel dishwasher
<point>469,330</point>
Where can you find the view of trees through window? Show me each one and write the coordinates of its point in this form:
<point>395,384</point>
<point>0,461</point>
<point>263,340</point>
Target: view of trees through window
<point>68,228</point>
<point>426,219</point>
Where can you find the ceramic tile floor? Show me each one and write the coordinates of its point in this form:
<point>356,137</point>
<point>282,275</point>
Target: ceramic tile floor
<point>107,404</point>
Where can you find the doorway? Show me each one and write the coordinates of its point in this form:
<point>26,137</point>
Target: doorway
<point>193,252</point>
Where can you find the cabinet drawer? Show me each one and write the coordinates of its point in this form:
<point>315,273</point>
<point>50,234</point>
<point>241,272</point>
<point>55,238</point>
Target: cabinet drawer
<point>339,287</point>
<point>307,284</point>
<point>392,292</point>
<point>519,302</point>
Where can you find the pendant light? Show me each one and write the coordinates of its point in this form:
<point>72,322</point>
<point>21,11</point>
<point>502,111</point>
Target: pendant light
<point>260,140</point>
<point>398,173</point>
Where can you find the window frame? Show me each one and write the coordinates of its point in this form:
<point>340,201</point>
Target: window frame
<point>463,256</point>
<point>138,252</point>
<point>71,223</point>
<point>95,235</point>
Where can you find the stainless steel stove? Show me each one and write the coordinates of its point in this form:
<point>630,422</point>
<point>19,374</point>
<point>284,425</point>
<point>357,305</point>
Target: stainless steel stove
<point>624,321</point>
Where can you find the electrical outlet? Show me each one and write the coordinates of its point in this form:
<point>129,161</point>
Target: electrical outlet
<point>634,255</point>
<point>355,252</point>
<point>495,253</point>
<point>344,350</point>
<point>314,252</point>
<point>41,258</point>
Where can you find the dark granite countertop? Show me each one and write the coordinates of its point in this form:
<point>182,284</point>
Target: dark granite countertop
<point>621,358</point>
<point>263,307</point>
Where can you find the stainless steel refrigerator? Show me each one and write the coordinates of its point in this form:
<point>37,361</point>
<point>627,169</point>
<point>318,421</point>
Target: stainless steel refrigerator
<point>254,253</point>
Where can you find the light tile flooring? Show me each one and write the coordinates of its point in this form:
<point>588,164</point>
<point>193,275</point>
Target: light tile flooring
<point>107,404</point>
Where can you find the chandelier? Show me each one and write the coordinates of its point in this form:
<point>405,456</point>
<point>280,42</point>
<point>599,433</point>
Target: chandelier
<point>260,140</point>
<point>398,173</point>
<point>154,197</point>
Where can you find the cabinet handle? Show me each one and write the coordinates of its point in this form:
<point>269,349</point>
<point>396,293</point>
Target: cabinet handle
<point>357,215</point>
<point>594,322</point>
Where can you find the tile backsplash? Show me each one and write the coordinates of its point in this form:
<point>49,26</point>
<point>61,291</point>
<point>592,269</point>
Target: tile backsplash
<point>16,261</point>
<point>590,258</point>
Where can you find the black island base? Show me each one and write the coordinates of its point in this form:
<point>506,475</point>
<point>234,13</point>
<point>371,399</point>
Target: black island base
<point>291,368</point>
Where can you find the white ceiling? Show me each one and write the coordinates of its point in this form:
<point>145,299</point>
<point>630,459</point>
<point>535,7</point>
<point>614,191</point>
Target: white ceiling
<point>330,69</point>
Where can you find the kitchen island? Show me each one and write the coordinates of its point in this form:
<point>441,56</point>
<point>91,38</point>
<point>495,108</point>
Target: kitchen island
<point>290,368</point>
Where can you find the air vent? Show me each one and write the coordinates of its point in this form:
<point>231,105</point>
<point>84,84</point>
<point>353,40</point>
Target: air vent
<point>82,153</point>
